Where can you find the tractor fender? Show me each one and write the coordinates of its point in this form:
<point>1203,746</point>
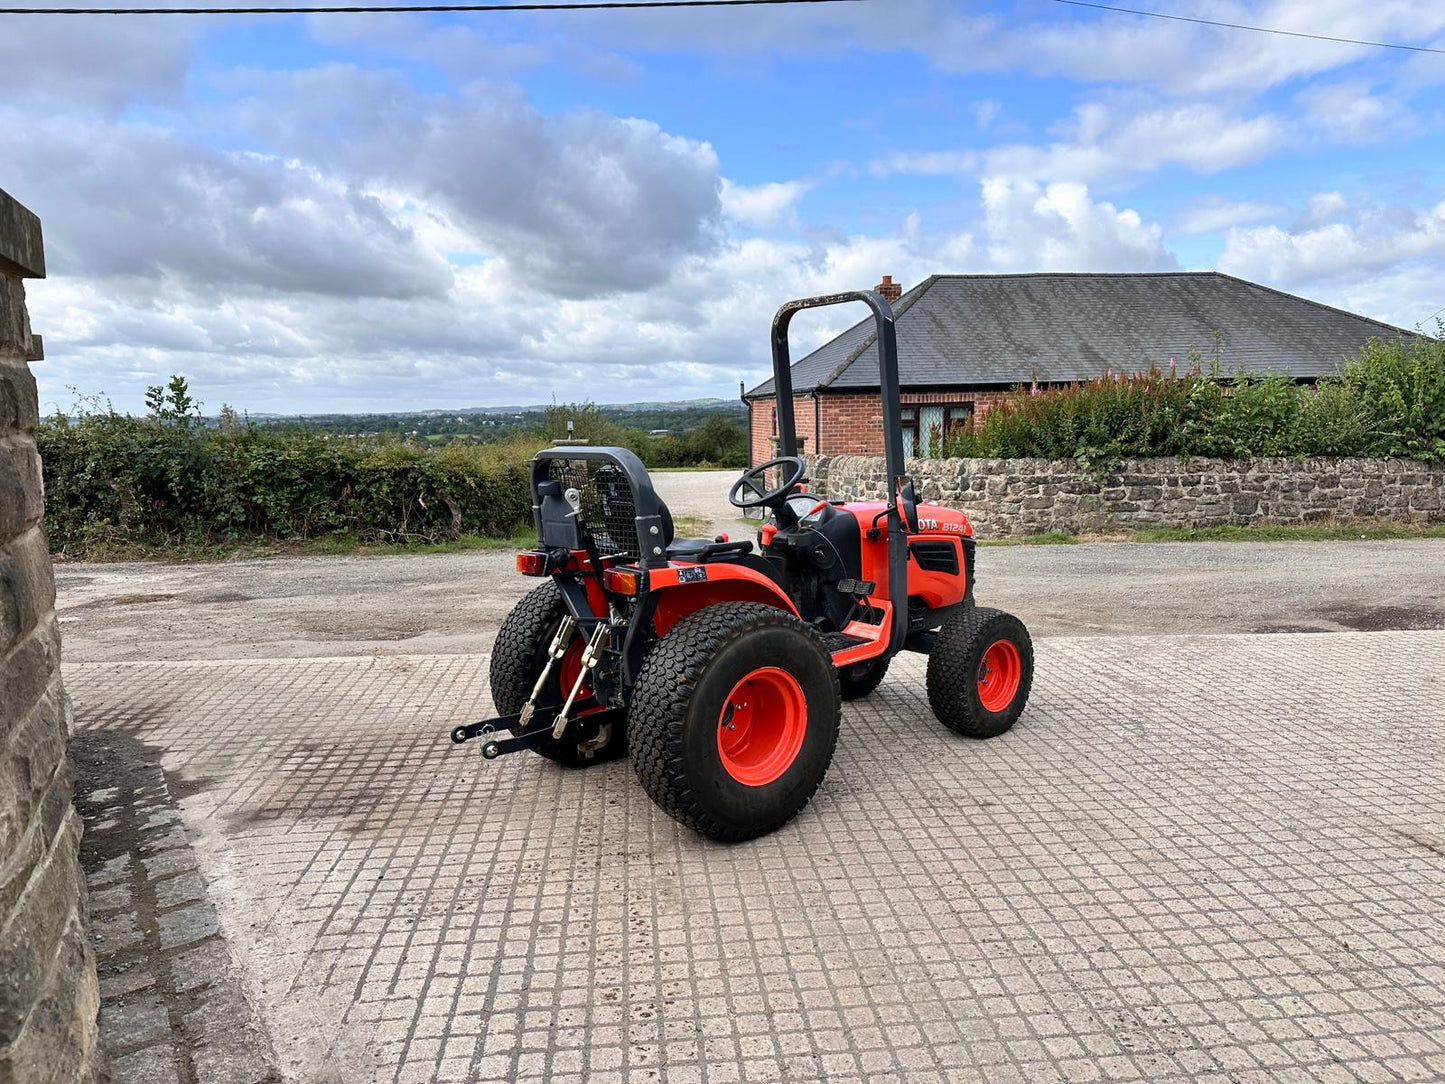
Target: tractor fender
<point>679,590</point>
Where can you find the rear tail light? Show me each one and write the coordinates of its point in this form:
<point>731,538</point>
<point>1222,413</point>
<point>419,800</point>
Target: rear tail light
<point>532,564</point>
<point>623,581</point>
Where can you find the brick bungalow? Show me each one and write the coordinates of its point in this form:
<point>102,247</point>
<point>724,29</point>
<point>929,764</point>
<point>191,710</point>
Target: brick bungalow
<point>965,341</point>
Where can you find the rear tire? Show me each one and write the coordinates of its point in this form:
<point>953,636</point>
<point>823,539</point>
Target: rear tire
<point>980,672</point>
<point>518,655</point>
<point>734,720</point>
<point>861,678</point>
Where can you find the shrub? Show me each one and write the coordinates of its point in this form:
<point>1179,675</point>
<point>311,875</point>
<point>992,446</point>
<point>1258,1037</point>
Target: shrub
<point>1402,391</point>
<point>1389,401</point>
<point>111,479</point>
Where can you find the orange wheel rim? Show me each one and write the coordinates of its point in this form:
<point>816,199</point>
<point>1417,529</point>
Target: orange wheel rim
<point>569,666</point>
<point>761,726</point>
<point>999,674</point>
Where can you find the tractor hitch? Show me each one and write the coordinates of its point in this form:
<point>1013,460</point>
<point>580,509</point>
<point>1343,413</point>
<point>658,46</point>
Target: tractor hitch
<point>501,735</point>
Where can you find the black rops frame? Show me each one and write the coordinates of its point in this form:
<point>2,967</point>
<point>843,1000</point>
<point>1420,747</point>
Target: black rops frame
<point>650,537</point>
<point>555,527</point>
<point>892,429</point>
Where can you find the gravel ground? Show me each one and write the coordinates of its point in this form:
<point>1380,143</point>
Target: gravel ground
<point>453,603</point>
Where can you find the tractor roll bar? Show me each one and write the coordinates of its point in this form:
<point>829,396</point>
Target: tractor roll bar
<point>892,429</point>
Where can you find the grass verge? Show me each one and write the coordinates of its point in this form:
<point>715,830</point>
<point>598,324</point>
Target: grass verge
<point>338,545</point>
<point>691,527</point>
<point>1272,532</point>
<point>1048,538</point>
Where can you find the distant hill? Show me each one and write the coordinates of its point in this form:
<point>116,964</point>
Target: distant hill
<point>676,406</point>
<point>614,408</point>
<point>493,423</point>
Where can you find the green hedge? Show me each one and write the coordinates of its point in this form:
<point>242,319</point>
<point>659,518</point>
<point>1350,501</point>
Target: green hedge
<point>1388,402</point>
<point>112,480</point>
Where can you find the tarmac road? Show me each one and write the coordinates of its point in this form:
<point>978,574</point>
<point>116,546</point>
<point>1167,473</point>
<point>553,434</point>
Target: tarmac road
<point>453,603</point>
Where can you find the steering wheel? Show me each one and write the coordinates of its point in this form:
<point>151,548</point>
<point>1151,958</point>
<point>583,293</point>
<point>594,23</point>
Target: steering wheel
<point>748,491</point>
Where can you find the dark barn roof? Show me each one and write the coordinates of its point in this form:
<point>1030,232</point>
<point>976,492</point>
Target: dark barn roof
<point>1002,330</point>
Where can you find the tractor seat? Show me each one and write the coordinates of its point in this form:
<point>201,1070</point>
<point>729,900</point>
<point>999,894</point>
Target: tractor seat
<point>698,550</point>
<point>702,550</point>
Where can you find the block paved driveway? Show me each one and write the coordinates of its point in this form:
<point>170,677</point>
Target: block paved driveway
<point>1195,858</point>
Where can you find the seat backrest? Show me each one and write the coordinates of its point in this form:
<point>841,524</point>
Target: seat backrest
<point>669,529</point>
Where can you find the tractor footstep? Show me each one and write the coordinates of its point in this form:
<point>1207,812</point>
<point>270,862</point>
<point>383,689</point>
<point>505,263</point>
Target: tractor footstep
<point>841,641</point>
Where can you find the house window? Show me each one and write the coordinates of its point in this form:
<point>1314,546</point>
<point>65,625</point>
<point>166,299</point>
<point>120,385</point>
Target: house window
<point>927,425</point>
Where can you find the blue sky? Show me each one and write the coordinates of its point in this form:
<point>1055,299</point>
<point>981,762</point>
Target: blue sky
<point>386,212</point>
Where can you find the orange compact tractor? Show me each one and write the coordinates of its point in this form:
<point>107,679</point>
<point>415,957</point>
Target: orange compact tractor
<point>720,667</point>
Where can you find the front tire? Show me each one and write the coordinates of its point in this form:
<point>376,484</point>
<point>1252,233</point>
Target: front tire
<point>980,672</point>
<point>734,720</point>
<point>861,678</point>
<point>518,655</point>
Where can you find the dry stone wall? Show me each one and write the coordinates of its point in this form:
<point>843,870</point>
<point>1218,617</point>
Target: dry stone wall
<point>1030,496</point>
<point>48,994</point>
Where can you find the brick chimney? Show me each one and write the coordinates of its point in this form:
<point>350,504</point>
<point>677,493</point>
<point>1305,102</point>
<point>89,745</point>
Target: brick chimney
<point>888,289</point>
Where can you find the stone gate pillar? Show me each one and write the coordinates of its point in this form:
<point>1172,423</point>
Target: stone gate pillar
<point>48,994</point>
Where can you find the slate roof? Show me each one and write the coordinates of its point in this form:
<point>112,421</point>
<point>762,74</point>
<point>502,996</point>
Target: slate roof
<point>1002,330</point>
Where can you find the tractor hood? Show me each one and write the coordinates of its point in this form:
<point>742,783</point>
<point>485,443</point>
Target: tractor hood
<point>932,518</point>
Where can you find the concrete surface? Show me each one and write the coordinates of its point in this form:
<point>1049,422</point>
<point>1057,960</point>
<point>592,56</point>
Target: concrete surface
<point>172,1004</point>
<point>1194,859</point>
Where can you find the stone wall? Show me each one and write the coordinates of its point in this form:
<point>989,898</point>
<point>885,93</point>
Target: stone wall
<point>1029,496</point>
<point>48,994</point>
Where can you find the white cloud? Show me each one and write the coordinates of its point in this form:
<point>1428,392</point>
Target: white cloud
<point>1323,207</point>
<point>1375,237</point>
<point>763,206</point>
<point>1350,259</point>
<point>1059,228</point>
<point>133,200</point>
<point>985,112</point>
<point>92,63</point>
<point>1350,113</point>
<point>580,202</point>
<point>1101,47</point>
<point>1213,213</point>
<point>495,339</point>
<point>459,51</point>
<point>927,163</point>
<point>1112,48</point>
<point>499,337</point>
<point>1108,140</point>
<point>1180,57</point>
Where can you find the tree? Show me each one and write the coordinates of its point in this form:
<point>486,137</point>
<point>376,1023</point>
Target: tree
<point>173,403</point>
<point>720,440</point>
<point>588,422</point>
<point>229,421</point>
